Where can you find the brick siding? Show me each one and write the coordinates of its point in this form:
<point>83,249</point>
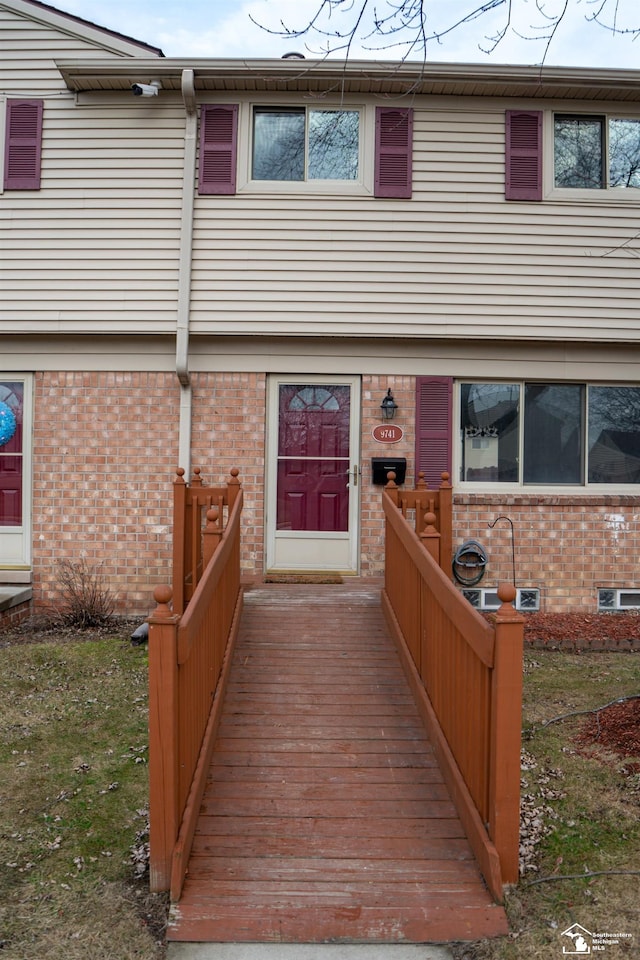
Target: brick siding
<point>567,546</point>
<point>105,454</point>
<point>228,431</point>
<point>374,388</point>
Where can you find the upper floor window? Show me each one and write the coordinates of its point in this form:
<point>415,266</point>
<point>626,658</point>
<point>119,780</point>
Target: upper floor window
<point>305,144</point>
<point>596,152</point>
<point>337,149</point>
<point>570,156</point>
<point>549,433</point>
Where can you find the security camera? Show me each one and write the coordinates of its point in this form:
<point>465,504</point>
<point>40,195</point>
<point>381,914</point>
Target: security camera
<point>146,89</point>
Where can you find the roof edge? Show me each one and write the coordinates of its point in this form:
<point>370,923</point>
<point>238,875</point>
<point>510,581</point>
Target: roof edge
<point>53,16</point>
<point>383,76</point>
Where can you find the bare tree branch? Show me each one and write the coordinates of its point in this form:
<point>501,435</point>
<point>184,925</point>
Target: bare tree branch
<point>411,26</point>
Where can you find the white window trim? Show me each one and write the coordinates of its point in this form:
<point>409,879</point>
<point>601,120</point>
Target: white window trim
<point>626,195</point>
<point>21,572</point>
<point>363,186</point>
<point>585,489</point>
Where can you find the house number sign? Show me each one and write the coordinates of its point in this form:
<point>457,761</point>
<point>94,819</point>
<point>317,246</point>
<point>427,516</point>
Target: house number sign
<point>387,433</point>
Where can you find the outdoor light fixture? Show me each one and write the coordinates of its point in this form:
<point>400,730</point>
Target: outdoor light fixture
<point>388,406</point>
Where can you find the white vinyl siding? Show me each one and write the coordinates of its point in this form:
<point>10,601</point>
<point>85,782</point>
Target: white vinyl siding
<point>96,248</point>
<point>454,261</point>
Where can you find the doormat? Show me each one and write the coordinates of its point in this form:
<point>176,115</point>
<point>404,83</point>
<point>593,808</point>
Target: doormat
<point>304,578</point>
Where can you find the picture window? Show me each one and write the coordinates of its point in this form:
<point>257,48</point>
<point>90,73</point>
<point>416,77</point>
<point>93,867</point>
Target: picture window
<point>549,434</point>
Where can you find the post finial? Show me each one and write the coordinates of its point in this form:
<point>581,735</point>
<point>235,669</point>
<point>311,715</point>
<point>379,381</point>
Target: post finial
<point>162,595</point>
<point>507,612</point>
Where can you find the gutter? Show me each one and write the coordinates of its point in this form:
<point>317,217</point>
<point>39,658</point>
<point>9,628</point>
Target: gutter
<point>184,270</point>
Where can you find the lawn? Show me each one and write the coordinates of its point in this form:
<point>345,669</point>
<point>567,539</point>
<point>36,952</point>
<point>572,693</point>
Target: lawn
<point>73,801</point>
<point>73,796</point>
<point>580,809</point>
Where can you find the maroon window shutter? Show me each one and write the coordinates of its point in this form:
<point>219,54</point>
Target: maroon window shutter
<point>23,145</point>
<point>218,148</point>
<point>523,155</point>
<point>434,397</point>
<point>394,149</point>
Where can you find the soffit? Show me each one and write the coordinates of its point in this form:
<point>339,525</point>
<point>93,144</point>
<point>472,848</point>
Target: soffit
<point>357,77</point>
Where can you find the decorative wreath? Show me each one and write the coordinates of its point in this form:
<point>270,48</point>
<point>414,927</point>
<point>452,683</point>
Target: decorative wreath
<point>8,423</point>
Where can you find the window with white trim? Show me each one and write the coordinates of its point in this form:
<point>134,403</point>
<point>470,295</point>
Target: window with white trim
<point>305,143</point>
<point>596,152</point>
<point>572,156</point>
<point>549,434</point>
<point>292,147</point>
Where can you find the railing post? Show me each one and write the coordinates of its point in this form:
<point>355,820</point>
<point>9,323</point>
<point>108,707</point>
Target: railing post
<point>211,535</point>
<point>392,488</point>
<point>445,502</point>
<point>505,735</point>
<point>430,537</point>
<point>164,812</point>
<point>233,487</point>
<point>179,539</point>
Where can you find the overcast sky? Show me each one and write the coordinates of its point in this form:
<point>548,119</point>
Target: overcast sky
<point>223,28</point>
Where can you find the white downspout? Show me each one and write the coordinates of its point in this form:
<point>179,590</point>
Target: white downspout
<point>184,275</point>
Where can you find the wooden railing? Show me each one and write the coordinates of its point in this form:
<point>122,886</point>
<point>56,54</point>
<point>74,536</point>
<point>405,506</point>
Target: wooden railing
<point>191,503</point>
<point>419,502</point>
<point>189,657</point>
<point>466,676</point>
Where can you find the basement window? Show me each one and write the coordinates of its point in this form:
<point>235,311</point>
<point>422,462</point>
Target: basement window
<point>614,599</point>
<point>486,598</point>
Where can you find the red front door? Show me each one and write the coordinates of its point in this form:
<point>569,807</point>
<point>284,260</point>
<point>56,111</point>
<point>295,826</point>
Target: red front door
<point>313,457</point>
<point>11,407</point>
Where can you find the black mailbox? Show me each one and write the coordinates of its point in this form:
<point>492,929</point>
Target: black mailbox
<point>380,467</point>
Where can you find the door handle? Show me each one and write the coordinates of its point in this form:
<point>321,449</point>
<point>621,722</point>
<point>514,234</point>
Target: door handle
<point>355,475</point>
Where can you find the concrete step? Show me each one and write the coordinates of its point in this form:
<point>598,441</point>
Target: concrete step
<point>307,951</point>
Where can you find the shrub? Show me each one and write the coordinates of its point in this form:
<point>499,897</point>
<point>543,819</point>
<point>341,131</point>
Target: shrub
<point>86,599</point>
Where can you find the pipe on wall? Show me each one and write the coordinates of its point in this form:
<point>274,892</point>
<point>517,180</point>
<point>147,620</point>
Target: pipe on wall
<point>184,269</point>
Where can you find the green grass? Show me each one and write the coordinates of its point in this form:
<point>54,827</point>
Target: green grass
<point>73,751</point>
<point>591,813</point>
<point>73,796</point>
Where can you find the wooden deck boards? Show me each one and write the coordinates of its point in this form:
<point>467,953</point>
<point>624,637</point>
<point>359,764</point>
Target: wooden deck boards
<point>325,817</point>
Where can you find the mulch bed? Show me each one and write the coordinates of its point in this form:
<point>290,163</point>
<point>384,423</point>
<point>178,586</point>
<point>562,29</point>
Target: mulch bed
<point>614,730</point>
<point>581,631</point>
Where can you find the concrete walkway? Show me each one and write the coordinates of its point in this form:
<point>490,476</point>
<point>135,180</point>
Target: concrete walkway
<point>307,951</point>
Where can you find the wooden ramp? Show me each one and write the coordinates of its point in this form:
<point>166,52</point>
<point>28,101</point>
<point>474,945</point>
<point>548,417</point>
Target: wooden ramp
<point>325,817</point>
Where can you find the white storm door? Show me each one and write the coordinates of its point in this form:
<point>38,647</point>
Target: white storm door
<point>15,477</point>
<point>313,474</point>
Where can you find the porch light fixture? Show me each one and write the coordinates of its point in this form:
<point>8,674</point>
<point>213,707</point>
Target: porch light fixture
<point>388,406</point>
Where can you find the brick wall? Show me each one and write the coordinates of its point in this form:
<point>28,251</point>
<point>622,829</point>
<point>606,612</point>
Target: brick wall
<point>14,616</point>
<point>374,388</point>
<point>104,455</point>
<point>228,431</point>
<point>566,546</point>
